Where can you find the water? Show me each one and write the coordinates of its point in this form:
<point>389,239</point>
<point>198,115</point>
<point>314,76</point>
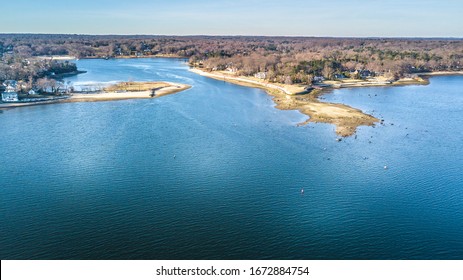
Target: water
<point>215,172</point>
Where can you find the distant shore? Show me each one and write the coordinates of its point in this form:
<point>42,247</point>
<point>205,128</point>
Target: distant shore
<point>132,56</point>
<point>345,118</point>
<point>440,73</point>
<point>167,88</point>
<point>70,57</point>
<point>151,56</point>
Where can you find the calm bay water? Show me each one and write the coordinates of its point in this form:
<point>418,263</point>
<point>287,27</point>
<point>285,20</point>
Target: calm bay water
<point>215,172</point>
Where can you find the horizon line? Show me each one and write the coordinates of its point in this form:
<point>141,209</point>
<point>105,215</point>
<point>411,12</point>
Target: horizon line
<point>237,35</point>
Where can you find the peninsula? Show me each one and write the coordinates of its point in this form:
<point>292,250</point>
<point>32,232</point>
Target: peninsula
<point>119,91</point>
<point>130,90</point>
<point>306,101</point>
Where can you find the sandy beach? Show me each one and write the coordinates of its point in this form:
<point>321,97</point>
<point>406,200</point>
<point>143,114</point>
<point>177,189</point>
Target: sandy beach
<point>57,57</point>
<point>167,88</point>
<point>375,82</point>
<point>345,118</point>
<point>294,97</point>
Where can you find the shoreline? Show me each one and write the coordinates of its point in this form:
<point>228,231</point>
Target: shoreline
<point>134,57</point>
<point>114,95</point>
<point>151,56</point>
<point>70,57</point>
<point>440,73</point>
<point>103,96</point>
<point>55,57</point>
<point>353,83</point>
<point>345,118</point>
<point>68,74</point>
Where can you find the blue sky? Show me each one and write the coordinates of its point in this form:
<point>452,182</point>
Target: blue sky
<point>393,18</point>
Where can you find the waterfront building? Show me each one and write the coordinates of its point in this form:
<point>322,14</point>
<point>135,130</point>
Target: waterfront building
<point>9,96</point>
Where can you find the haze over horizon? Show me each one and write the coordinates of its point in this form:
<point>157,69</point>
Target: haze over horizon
<point>427,18</point>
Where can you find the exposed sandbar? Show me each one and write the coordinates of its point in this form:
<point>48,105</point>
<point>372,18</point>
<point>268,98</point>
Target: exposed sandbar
<point>130,90</point>
<point>346,118</point>
<point>121,91</point>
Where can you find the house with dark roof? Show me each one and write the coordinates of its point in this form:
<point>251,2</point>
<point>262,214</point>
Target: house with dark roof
<point>10,83</point>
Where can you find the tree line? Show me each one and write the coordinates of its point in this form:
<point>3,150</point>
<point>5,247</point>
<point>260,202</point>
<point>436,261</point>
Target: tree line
<point>276,59</point>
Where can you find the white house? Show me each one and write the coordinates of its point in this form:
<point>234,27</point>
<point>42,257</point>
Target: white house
<point>318,79</point>
<point>9,97</point>
<point>32,92</point>
<point>10,94</point>
<point>261,75</point>
<point>10,83</point>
